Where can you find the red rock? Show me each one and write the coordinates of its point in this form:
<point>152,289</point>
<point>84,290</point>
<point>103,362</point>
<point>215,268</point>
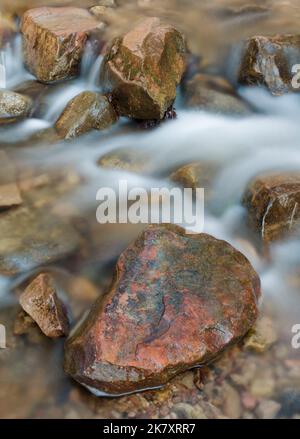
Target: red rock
<point>143,68</point>
<point>41,302</point>
<point>54,41</point>
<point>177,301</point>
<point>273,203</point>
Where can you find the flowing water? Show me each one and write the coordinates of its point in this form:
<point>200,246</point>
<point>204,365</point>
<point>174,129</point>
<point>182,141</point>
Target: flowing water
<point>32,383</point>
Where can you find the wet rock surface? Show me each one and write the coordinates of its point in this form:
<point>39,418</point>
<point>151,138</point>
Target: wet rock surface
<point>54,41</point>
<point>165,313</point>
<point>13,106</point>
<point>269,61</point>
<point>9,191</point>
<point>85,112</point>
<point>143,68</point>
<point>128,159</point>
<point>272,201</point>
<point>214,94</point>
<point>32,237</point>
<point>41,302</point>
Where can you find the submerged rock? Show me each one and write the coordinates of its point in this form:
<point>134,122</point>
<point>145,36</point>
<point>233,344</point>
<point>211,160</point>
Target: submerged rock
<point>213,93</point>
<point>268,61</point>
<point>13,106</point>
<point>177,301</point>
<point>85,112</point>
<point>273,202</point>
<point>37,92</point>
<point>143,68</point>
<point>54,41</point>
<point>9,191</point>
<point>31,237</point>
<point>41,302</point>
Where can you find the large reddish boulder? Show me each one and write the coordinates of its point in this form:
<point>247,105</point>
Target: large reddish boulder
<point>177,301</point>
<point>54,41</point>
<point>143,68</point>
<point>273,204</point>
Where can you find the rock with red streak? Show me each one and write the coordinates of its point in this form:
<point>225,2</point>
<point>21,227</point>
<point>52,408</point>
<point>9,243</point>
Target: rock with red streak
<point>143,68</point>
<point>54,40</point>
<point>177,301</point>
<point>273,204</point>
<point>41,302</point>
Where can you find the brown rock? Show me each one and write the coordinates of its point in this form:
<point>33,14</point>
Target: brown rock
<point>13,106</point>
<point>143,68</point>
<point>41,302</point>
<point>31,237</point>
<point>177,301</point>
<point>273,201</point>
<point>37,92</point>
<point>214,94</point>
<point>85,112</point>
<point>54,41</point>
<point>268,61</point>
<point>196,175</point>
<point>23,323</point>
<point>262,336</point>
<point>9,190</point>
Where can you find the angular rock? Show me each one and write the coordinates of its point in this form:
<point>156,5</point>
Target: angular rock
<point>13,106</point>
<point>177,301</point>
<point>143,68</point>
<point>9,190</point>
<point>23,323</point>
<point>214,94</point>
<point>85,112</point>
<point>32,237</point>
<point>54,41</point>
<point>268,61</point>
<point>41,302</point>
<point>273,201</point>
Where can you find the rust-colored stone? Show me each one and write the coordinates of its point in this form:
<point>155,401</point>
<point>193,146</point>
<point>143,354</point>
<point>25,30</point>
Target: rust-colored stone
<point>273,202</point>
<point>54,41</point>
<point>41,302</point>
<point>85,112</point>
<point>268,61</point>
<point>143,68</point>
<point>177,301</point>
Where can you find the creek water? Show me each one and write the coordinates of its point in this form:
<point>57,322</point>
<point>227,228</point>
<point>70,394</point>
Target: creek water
<point>32,383</point>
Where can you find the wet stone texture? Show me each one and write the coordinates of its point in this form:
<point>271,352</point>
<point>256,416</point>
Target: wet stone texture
<point>9,191</point>
<point>143,68</point>
<point>177,301</point>
<point>41,302</point>
<point>273,201</point>
<point>54,41</point>
<point>13,106</point>
<point>268,61</point>
<point>85,112</point>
